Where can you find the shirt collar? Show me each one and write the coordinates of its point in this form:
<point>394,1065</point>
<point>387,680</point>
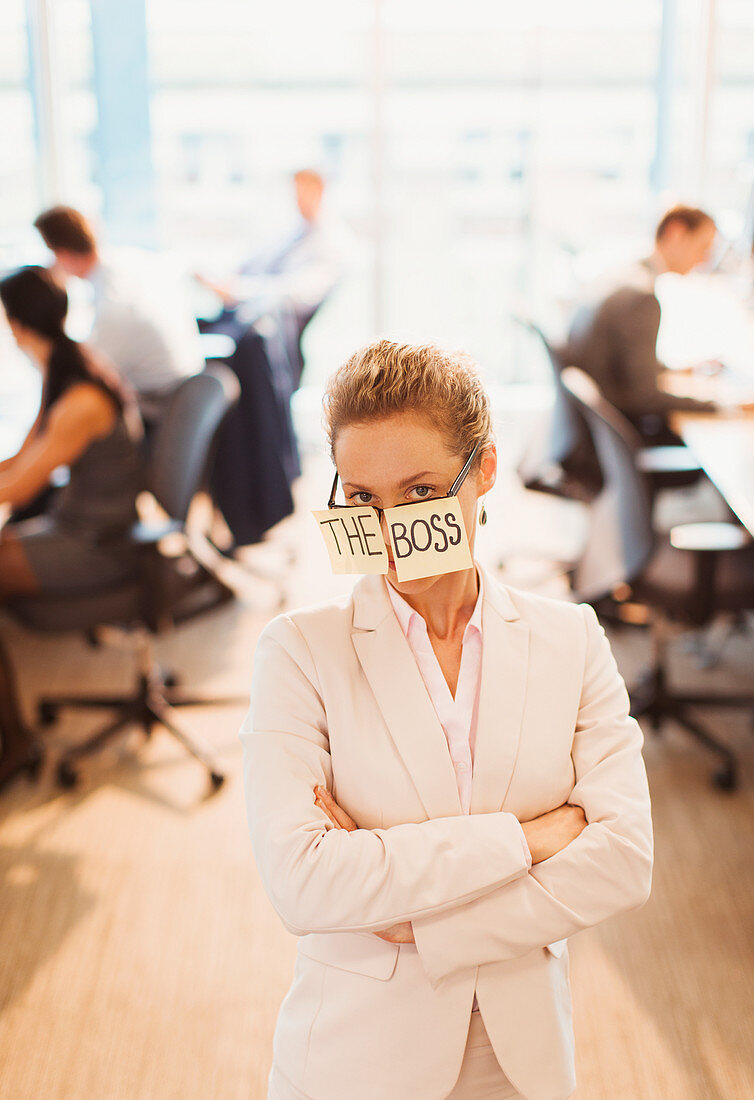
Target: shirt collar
<point>406,615</point>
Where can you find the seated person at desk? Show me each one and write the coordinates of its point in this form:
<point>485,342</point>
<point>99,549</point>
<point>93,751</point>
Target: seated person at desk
<point>614,339</point>
<point>140,323</point>
<point>88,422</point>
<point>303,269</point>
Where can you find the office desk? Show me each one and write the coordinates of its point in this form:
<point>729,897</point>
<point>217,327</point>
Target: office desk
<point>723,445</point>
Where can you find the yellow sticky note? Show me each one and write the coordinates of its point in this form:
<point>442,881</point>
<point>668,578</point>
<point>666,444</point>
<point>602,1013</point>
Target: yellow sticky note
<point>428,539</point>
<point>353,539</point>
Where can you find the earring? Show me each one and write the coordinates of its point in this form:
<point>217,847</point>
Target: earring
<point>483,516</point>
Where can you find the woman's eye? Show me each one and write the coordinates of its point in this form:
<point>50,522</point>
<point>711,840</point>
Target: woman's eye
<point>361,498</point>
<point>423,491</point>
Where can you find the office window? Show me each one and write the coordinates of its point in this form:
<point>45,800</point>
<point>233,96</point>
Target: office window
<point>515,137</point>
<point>75,92</point>
<point>242,97</point>
<point>18,167</point>
<point>487,157</point>
<point>730,175</point>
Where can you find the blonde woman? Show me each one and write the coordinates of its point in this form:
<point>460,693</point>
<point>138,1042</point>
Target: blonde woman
<point>443,783</point>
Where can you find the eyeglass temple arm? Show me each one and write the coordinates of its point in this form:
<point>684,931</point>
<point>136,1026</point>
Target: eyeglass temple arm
<point>461,477</point>
<point>333,491</point>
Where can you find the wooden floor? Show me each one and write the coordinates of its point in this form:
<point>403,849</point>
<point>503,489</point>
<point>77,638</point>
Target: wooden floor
<point>140,958</point>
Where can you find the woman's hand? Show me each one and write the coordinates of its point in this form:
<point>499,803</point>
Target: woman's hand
<point>397,933</point>
<point>551,832</point>
<point>339,818</point>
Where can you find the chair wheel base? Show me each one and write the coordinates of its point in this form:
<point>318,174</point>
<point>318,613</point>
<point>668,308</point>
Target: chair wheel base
<point>67,775</point>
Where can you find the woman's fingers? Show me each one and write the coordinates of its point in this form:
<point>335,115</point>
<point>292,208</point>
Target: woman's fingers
<point>337,815</point>
<point>327,812</point>
<point>398,933</point>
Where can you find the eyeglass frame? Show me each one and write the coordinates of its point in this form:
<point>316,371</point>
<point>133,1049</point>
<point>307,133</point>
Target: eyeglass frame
<point>453,491</point>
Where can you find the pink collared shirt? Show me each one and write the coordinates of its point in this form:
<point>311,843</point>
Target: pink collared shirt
<point>458,716</point>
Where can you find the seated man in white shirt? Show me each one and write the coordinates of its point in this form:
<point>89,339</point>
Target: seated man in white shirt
<point>141,321</point>
<point>302,269</point>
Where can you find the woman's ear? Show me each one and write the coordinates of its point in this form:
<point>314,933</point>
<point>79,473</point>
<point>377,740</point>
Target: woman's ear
<point>487,469</point>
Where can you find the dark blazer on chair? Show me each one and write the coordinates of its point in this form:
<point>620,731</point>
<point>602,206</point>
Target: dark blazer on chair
<point>257,457</point>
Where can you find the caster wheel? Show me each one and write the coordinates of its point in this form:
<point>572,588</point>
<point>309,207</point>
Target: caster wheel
<point>67,776</point>
<point>725,780</point>
<point>47,713</point>
<point>217,780</point>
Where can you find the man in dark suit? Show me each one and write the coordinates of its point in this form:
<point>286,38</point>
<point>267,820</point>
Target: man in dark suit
<point>614,339</point>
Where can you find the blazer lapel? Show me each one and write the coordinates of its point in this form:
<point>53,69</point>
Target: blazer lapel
<point>400,693</point>
<point>502,695</point>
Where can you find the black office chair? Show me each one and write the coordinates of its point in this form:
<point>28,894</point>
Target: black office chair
<point>567,464</point>
<point>161,586</point>
<point>688,577</point>
<point>562,461</point>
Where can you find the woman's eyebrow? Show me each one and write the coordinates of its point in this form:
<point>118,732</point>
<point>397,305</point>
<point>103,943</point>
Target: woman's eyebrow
<point>353,485</point>
<point>422,474</point>
<point>401,484</point>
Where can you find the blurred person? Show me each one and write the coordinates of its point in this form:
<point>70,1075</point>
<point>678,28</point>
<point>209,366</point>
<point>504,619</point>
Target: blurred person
<point>614,339</point>
<point>301,270</point>
<point>87,421</point>
<point>442,778</point>
<point>141,321</point>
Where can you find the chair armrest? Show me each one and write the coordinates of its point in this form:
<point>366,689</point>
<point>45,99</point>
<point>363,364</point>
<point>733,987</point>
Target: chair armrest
<point>666,460</point>
<point>709,538</point>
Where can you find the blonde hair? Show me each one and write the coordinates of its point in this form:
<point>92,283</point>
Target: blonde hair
<point>385,378</point>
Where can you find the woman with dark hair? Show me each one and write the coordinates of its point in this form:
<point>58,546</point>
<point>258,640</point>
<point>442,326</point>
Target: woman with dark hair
<point>88,422</point>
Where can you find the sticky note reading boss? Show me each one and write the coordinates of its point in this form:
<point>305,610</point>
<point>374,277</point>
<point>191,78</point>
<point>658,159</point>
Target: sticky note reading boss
<point>428,539</point>
<point>353,539</point>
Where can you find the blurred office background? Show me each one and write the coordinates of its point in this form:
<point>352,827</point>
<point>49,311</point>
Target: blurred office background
<point>488,160</point>
<point>518,145</point>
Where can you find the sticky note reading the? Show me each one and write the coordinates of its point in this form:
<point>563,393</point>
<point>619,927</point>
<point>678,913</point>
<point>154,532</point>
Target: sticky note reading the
<point>353,539</point>
<point>428,539</point>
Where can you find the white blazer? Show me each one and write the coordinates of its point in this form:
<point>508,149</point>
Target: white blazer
<point>337,700</point>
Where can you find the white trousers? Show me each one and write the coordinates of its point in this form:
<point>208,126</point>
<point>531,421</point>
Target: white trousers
<point>481,1077</point>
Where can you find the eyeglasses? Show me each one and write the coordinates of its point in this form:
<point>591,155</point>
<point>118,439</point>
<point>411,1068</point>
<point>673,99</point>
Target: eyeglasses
<point>450,493</point>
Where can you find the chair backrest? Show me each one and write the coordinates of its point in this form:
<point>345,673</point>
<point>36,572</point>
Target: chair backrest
<point>184,439</point>
<point>567,445</point>
<point>567,429</point>
<point>621,537</point>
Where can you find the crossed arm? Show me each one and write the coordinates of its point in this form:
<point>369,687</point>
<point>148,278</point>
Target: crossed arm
<point>464,883</point>
<point>545,836</point>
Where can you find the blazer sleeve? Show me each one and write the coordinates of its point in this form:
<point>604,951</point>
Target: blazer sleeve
<point>323,879</point>
<point>606,870</point>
